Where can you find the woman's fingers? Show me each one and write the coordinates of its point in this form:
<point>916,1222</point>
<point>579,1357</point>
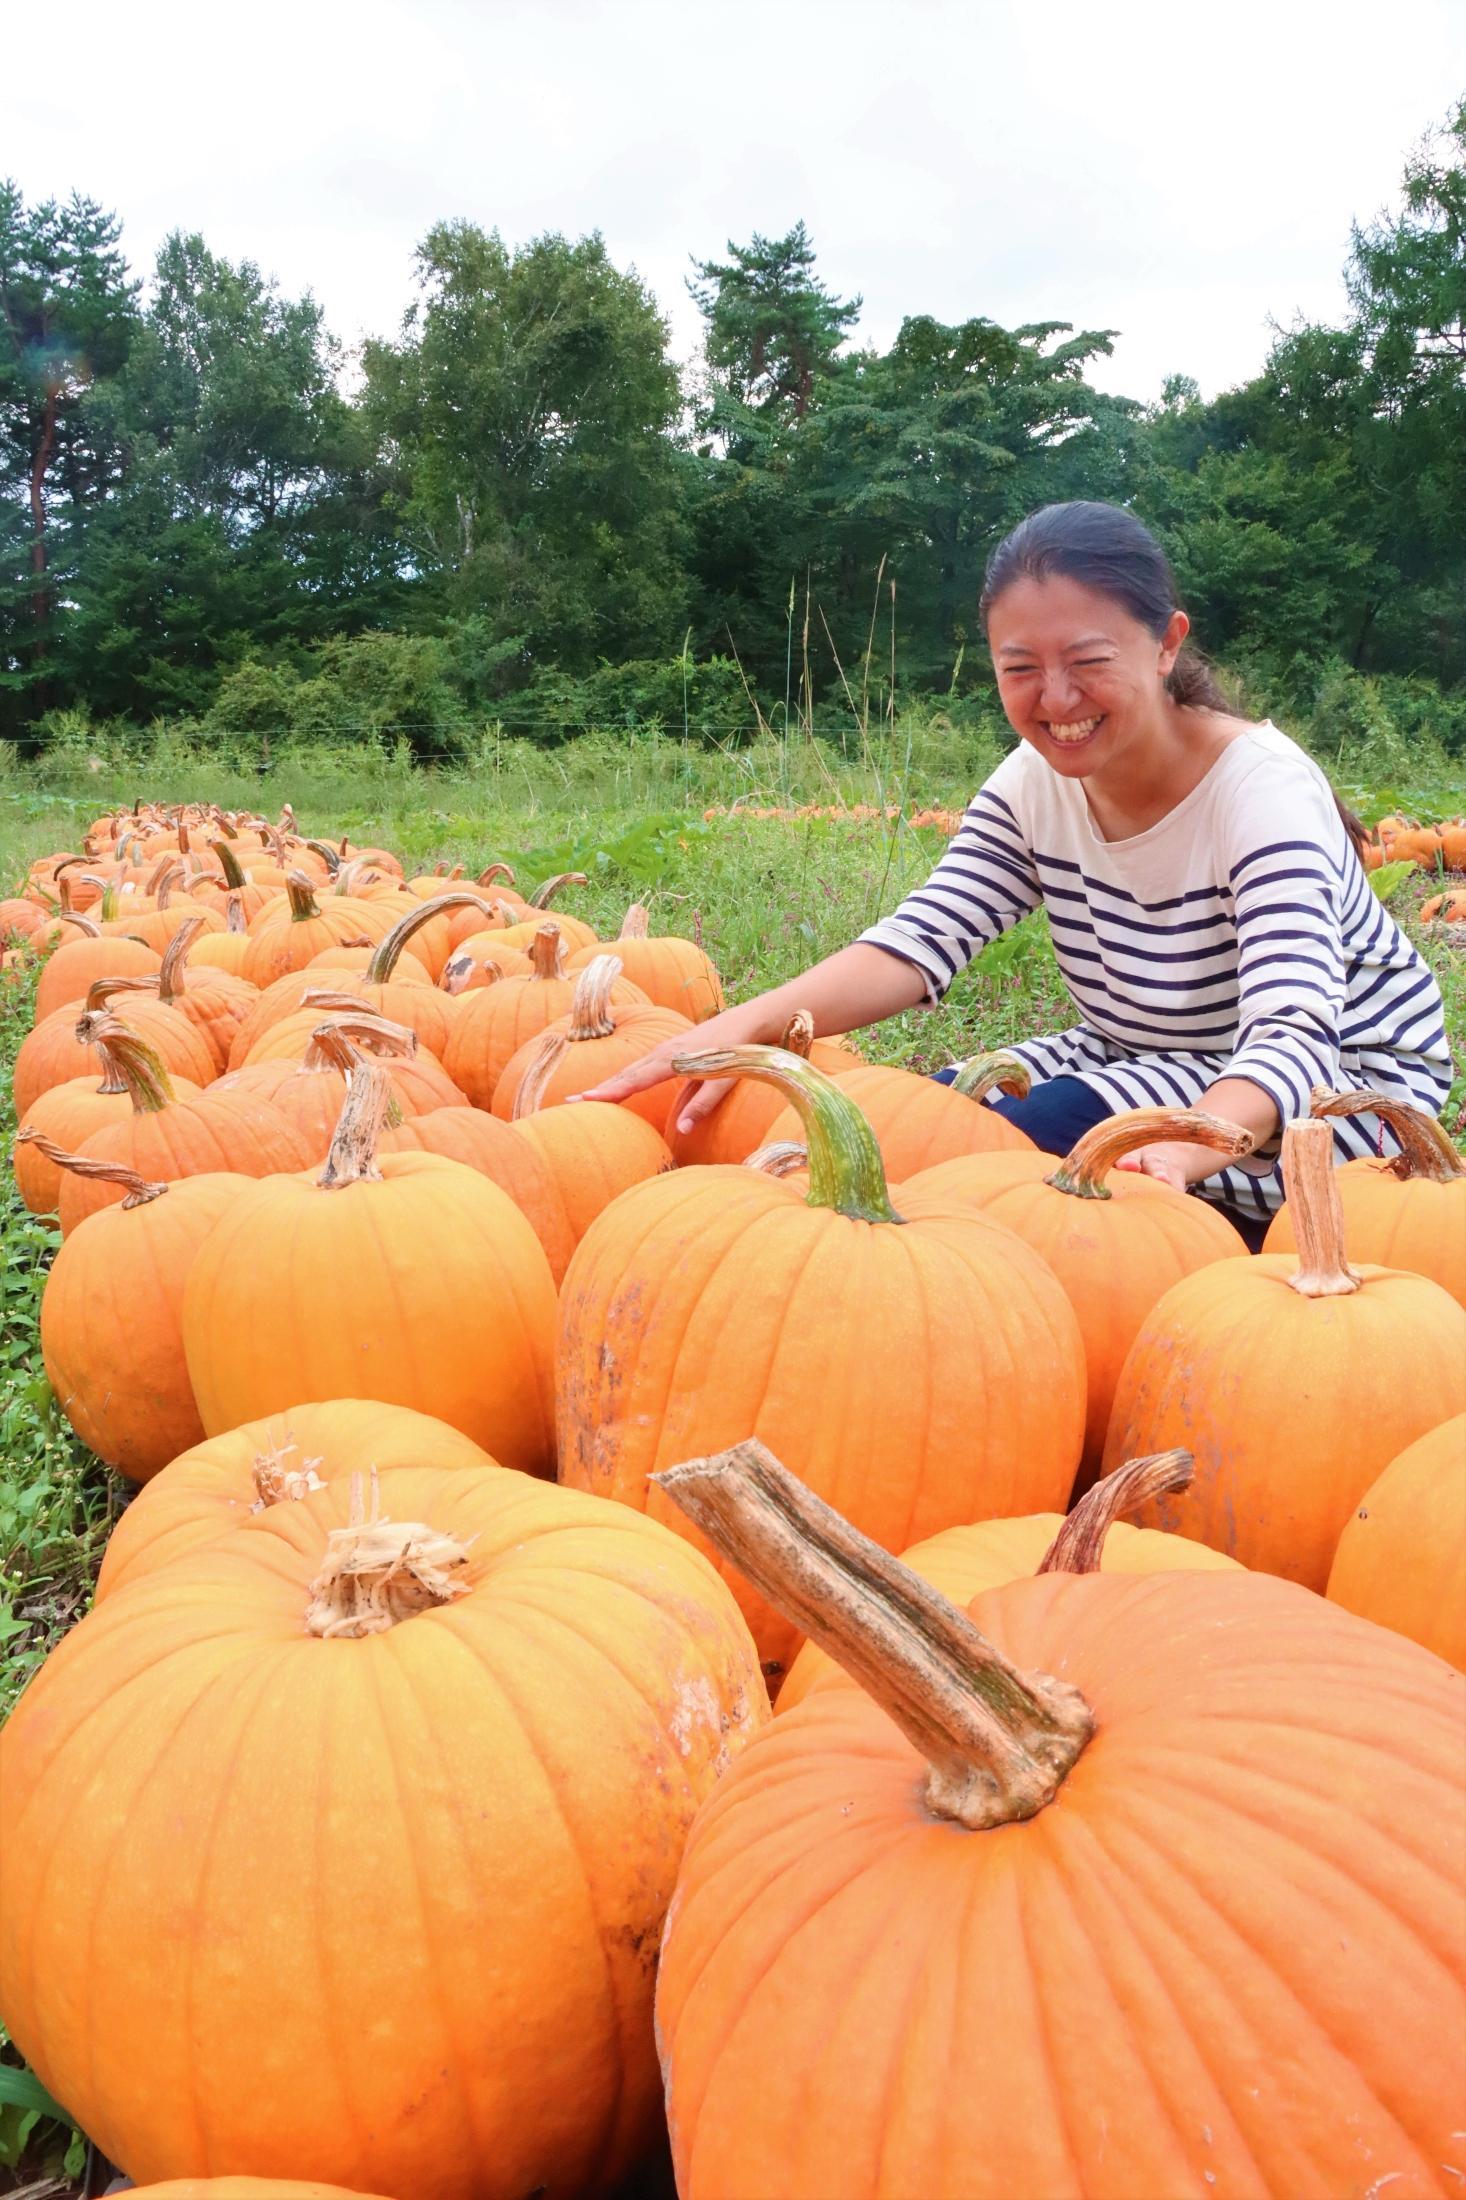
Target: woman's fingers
<point>652,1069</point>
<point>700,1100</point>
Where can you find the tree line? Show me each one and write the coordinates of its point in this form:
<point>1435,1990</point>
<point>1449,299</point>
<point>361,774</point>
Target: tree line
<point>518,509</point>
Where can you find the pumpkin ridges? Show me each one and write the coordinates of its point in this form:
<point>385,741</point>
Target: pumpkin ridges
<point>1401,1560</point>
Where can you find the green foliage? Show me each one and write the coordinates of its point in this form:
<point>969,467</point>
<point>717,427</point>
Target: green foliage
<point>773,328</point>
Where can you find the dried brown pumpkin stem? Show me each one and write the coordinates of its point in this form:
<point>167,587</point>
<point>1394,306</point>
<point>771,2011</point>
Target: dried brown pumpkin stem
<point>547,952</point>
<point>496,871</point>
<point>635,925</point>
<point>1318,1216</point>
<point>987,1073</point>
<point>1425,1147</point>
<point>845,1168</point>
<point>139,1190</point>
<point>337,1044</point>
<point>171,981</point>
<point>545,893</point>
<point>353,1155</point>
<point>377,1573</point>
<point>799,1034</point>
<point>101,990</point>
<point>1084,1169</point>
<point>229,864</point>
<point>234,914</point>
<point>591,1014</point>
<point>143,1076</point>
<point>542,1066</point>
<point>998,1741</point>
<point>87,926</point>
<point>277,1482</point>
<point>301,889</point>
<point>1078,1548</point>
<point>327,854</point>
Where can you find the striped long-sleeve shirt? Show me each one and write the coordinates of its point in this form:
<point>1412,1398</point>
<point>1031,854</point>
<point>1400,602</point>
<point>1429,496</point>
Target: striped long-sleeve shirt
<point>1238,937</point>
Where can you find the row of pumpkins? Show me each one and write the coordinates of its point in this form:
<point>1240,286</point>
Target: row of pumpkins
<point>405,1818</point>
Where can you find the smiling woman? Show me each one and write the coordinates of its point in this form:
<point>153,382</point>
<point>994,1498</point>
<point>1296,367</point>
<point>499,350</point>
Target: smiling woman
<point>1211,917</point>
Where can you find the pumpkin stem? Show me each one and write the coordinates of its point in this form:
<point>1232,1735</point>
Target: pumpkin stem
<point>353,1155</point>
<point>229,864</point>
<point>327,854</point>
<point>785,1157</point>
<point>133,1060</point>
<point>302,891</point>
<point>139,1190</point>
<point>1425,1148</point>
<point>496,871</point>
<point>1318,1216</point>
<point>331,1044</point>
<point>635,925</point>
<point>799,1034</point>
<point>1078,1548</point>
<point>276,1483</point>
<point>987,1073</point>
<point>590,1004</point>
<point>998,1741</point>
<point>170,977</point>
<point>87,926</point>
<point>234,914</point>
<point>377,1573</point>
<point>845,1169</point>
<point>101,990</point>
<point>547,952</point>
<point>1083,1171</point>
<point>544,894</point>
<point>384,956</point>
<point>100,1037</point>
<point>542,1064</point>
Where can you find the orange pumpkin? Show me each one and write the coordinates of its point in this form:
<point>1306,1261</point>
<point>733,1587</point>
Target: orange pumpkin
<point>1185,1918</point>
<point>924,1368</point>
<point>672,972</point>
<point>111,1326</point>
<point>1116,1240</point>
<point>413,1280</point>
<point>214,1001</point>
<point>60,1046</point>
<point>286,940</point>
<point>1294,1381</point>
<point>1404,1210</point>
<point>1401,1559</point>
<point>493,1710</point>
<point>490,1026</point>
<point>78,962</point>
<point>167,1135</point>
<point>918,1123</point>
<point>311,1090</point>
<point>1446,908</point>
<point>740,1122</point>
<point>479,961</point>
<point>595,1040</point>
<point>219,1485</point>
<point>67,1115</point>
<point>593,1152</point>
<point>495,1149</point>
<point>245,2188</point>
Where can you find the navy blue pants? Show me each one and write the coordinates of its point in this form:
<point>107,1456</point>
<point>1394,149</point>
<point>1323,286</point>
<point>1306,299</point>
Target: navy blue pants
<point>1059,1111</point>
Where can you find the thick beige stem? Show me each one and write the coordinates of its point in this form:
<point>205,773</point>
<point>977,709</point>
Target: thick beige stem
<point>530,1096</point>
<point>1078,1548</point>
<point>998,1742</point>
<point>784,1157</point>
<point>139,1190</point>
<point>353,1155</point>
<point>987,1073</point>
<point>378,1573</point>
<point>1318,1217</point>
<point>1425,1147</point>
<point>591,1015</point>
<point>1083,1171</point>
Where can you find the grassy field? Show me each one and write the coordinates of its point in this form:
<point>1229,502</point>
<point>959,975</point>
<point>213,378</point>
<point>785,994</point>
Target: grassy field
<point>766,899</point>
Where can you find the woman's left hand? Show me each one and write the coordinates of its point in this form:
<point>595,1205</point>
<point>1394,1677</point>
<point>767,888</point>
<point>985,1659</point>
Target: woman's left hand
<point>1175,1162</point>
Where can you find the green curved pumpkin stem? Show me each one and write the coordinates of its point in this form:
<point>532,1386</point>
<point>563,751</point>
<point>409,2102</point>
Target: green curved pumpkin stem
<point>845,1168</point>
<point>229,864</point>
<point>1078,1548</point>
<point>998,1742</point>
<point>987,1073</point>
<point>1425,1146</point>
<point>142,1073</point>
<point>302,892</point>
<point>545,893</point>
<point>1083,1171</point>
<point>384,955</point>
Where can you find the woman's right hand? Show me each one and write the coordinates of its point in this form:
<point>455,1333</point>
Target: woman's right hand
<point>751,1023</point>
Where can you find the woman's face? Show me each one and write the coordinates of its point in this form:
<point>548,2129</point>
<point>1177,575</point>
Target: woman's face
<point>1078,677</point>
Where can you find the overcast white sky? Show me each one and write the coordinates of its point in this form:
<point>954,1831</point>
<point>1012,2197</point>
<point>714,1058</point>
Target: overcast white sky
<point>1182,174</point>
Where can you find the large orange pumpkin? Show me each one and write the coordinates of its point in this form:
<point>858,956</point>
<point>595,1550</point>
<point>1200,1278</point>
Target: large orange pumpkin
<point>413,1280</point>
<point>68,1115</point>
<point>282,941</point>
<point>1404,1210</point>
<point>382,1820</point>
<point>592,1152</point>
<point>594,1040</point>
<point>59,1048</point>
<point>924,1368</point>
<point>492,1024</point>
<point>216,1486</point>
<point>1115,1887</point>
<point>245,2188</point>
<point>1293,1380</point>
<point>1401,1559</point>
<point>1115,1240</point>
<point>672,972</point>
<point>918,1123</point>
<point>77,963</point>
<point>508,1160</point>
<point>213,1000</point>
<point>111,1312</point>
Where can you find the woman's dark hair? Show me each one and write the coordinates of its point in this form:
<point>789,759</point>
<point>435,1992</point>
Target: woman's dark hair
<point>1106,548</point>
